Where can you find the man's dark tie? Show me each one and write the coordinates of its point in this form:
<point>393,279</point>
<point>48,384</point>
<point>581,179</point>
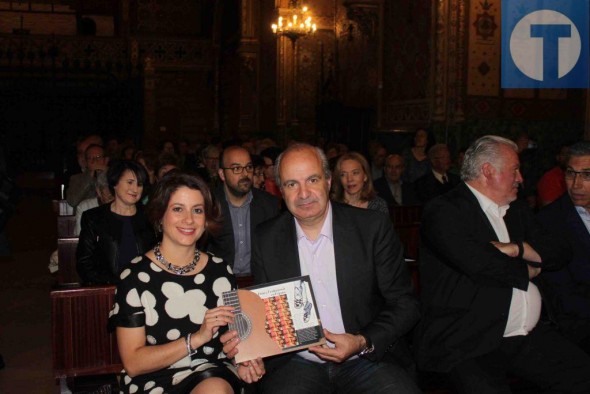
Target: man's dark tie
<point>445,179</point>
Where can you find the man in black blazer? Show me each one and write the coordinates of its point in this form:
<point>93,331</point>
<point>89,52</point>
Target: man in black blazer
<point>569,218</point>
<point>479,251</point>
<point>243,208</point>
<point>359,277</point>
<point>438,180</point>
<point>391,188</point>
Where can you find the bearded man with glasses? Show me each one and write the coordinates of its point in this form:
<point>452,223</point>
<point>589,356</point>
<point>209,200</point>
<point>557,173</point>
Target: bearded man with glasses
<point>569,218</point>
<point>243,208</point>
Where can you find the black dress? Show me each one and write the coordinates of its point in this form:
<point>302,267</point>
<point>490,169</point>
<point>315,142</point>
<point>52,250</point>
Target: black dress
<point>170,306</point>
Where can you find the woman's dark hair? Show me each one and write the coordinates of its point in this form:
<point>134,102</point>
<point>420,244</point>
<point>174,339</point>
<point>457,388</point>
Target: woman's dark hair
<point>118,168</point>
<point>272,153</point>
<point>168,185</point>
<point>257,161</point>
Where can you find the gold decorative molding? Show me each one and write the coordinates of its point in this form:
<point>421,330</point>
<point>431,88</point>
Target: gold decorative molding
<point>449,61</point>
<point>483,71</point>
<point>113,55</point>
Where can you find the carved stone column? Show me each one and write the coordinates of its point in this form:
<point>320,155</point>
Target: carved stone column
<point>360,52</point>
<point>149,103</point>
<point>249,66</point>
<point>449,61</point>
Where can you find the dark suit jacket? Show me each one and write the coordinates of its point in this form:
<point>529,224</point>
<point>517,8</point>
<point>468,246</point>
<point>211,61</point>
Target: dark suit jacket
<point>570,286</point>
<point>408,194</point>
<point>466,282</point>
<point>427,187</point>
<point>373,282</point>
<point>263,207</point>
<point>100,237</point>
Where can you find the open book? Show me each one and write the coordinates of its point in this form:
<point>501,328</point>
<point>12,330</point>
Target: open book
<point>275,318</point>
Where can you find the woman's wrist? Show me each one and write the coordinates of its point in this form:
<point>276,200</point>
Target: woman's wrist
<point>197,340</point>
<point>190,349</point>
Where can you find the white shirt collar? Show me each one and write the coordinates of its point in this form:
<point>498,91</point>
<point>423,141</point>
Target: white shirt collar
<point>487,205</point>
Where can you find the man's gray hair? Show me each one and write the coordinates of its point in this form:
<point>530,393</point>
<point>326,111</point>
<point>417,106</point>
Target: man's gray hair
<point>485,150</point>
<point>580,148</point>
<point>297,147</point>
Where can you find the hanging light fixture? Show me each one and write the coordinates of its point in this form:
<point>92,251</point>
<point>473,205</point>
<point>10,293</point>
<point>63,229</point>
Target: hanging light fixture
<point>296,22</point>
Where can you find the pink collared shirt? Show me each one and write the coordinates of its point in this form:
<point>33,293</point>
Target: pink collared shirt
<point>317,259</point>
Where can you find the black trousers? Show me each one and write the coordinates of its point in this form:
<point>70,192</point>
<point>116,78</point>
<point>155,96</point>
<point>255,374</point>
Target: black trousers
<point>544,357</point>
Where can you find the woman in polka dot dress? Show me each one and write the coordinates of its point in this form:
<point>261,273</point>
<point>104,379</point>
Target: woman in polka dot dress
<point>168,309</point>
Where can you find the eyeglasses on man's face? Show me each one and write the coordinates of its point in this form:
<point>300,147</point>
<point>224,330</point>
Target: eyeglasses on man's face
<point>571,174</point>
<point>239,169</point>
<point>94,159</point>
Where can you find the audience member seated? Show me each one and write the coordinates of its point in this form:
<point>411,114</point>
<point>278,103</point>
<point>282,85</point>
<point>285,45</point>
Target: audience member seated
<point>166,312</point>
<point>80,165</point>
<point>269,155</point>
<point>210,158</point>
<point>113,147</point>
<point>377,155</point>
<point>258,174</point>
<point>551,186</point>
<point>243,208</point>
<point>415,158</point>
<point>128,152</point>
<point>480,252</point>
<point>438,180</point>
<point>352,183</point>
<point>166,147</point>
<point>331,150</point>
<point>360,279</point>
<point>113,234</point>
<point>81,185</point>
<point>569,218</point>
<point>103,196</point>
<point>149,161</point>
<point>166,163</point>
<point>530,169</point>
<point>187,156</point>
<point>391,187</point>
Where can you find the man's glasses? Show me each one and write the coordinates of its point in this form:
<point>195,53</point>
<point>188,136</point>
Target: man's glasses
<point>94,158</point>
<point>239,169</point>
<point>571,174</point>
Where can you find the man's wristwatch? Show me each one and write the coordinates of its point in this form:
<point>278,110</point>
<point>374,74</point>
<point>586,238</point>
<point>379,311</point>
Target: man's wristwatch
<point>369,347</point>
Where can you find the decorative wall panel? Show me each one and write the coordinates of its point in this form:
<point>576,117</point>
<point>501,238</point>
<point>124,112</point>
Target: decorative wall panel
<point>406,93</point>
<point>175,18</point>
<point>483,71</point>
<point>358,50</point>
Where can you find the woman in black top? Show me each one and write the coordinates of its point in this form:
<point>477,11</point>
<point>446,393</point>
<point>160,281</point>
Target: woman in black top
<point>113,234</point>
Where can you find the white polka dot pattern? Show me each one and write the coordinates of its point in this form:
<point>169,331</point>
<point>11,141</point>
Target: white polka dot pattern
<point>173,334</point>
<point>170,306</point>
<point>125,273</point>
<point>133,298</point>
<point>144,277</point>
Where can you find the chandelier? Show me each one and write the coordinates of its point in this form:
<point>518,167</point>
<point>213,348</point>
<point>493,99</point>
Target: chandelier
<point>295,22</point>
